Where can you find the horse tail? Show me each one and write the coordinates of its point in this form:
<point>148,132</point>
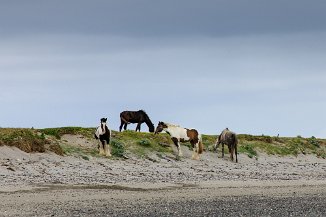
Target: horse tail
<point>200,145</point>
<point>236,147</point>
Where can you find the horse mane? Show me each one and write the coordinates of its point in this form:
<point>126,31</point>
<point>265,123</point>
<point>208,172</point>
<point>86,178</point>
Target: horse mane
<point>171,125</point>
<point>147,119</point>
<point>142,111</point>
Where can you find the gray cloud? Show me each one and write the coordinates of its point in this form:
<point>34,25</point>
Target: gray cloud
<point>254,66</point>
<point>162,18</point>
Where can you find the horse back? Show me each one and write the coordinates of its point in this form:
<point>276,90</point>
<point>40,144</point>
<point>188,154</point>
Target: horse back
<point>228,138</point>
<point>192,134</point>
<point>132,116</point>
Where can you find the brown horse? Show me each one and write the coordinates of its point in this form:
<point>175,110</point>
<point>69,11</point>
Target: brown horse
<point>138,117</point>
<point>179,134</point>
<point>230,139</point>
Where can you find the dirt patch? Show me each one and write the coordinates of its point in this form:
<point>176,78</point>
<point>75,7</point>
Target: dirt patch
<point>79,141</point>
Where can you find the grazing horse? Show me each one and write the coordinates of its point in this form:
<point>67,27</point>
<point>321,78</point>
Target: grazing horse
<point>179,134</point>
<point>103,133</point>
<point>230,139</point>
<point>138,117</point>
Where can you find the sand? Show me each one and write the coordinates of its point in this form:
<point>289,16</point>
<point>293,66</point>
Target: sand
<point>31,182</point>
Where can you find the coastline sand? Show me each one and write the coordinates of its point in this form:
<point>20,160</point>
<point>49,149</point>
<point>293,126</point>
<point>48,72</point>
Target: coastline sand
<point>45,184</point>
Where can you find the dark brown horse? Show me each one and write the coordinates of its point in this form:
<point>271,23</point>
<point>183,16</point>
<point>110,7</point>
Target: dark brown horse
<point>230,139</point>
<point>134,117</point>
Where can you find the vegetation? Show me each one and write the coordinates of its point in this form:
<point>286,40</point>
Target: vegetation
<point>28,140</point>
<point>281,146</point>
<point>58,132</point>
<point>143,144</point>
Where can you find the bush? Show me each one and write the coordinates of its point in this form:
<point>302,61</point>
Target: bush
<point>249,149</point>
<point>313,141</point>
<point>118,149</point>
<point>144,142</point>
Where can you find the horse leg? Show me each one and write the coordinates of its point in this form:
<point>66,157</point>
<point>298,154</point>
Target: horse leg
<point>177,143</point>
<point>195,147</point>
<point>138,127</point>
<point>236,153</point>
<point>179,150</point>
<point>120,128</point>
<point>106,148</point>
<point>101,147</point>
<point>222,150</point>
<point>231,150</point>
<point>193,150</point>
<point>216,146</point>
<point>125,126</point>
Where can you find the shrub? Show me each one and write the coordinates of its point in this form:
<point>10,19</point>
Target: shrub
<point>313,141</point>
<point>249,149</point>
<point>144,142</point>
<point>118,149</point>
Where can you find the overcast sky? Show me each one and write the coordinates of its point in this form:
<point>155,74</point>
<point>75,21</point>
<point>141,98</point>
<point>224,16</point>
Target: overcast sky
<point>255,66</point>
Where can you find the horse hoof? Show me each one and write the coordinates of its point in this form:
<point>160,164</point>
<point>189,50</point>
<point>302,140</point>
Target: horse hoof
<point>195,158</point>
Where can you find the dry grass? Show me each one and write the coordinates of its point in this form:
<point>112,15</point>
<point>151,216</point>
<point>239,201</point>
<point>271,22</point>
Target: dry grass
<point>27,140</point>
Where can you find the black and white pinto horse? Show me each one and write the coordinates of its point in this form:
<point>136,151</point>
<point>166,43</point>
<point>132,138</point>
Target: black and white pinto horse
<point>138,117</point>
<point>103,133</point>
<point>230,139</point>
<point>179,134</point>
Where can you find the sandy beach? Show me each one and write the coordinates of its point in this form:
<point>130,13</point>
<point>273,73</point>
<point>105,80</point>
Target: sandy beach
<point>46,184</point>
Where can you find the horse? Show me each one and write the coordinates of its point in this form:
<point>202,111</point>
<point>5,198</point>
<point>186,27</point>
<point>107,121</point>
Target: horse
<point>138,117</point>
<point>103,133</point>
<point>179,134</point>
<point>230,139</point>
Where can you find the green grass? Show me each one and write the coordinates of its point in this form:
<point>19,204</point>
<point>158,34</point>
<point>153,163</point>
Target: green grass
<point>25,139</point>
<point>248,149</point>
<point>282,146</point>
<point>58,132</point>
<point>143,144</point>
<point>208,141</point>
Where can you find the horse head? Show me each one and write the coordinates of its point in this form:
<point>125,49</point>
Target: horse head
<point>103,120</point>
<point>160,126</point>
<point>151,128</point>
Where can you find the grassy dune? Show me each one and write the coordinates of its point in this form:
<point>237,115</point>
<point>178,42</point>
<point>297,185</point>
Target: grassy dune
<point>142,144</point>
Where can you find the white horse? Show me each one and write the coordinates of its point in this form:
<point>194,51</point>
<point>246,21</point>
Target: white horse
<point>103,133</point>
<point>179,134</point>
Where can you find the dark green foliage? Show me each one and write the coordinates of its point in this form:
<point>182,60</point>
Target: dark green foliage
<point>248,149</point>
<point>144,142</point>
<point>313,141</point>
<point>117,148</point>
